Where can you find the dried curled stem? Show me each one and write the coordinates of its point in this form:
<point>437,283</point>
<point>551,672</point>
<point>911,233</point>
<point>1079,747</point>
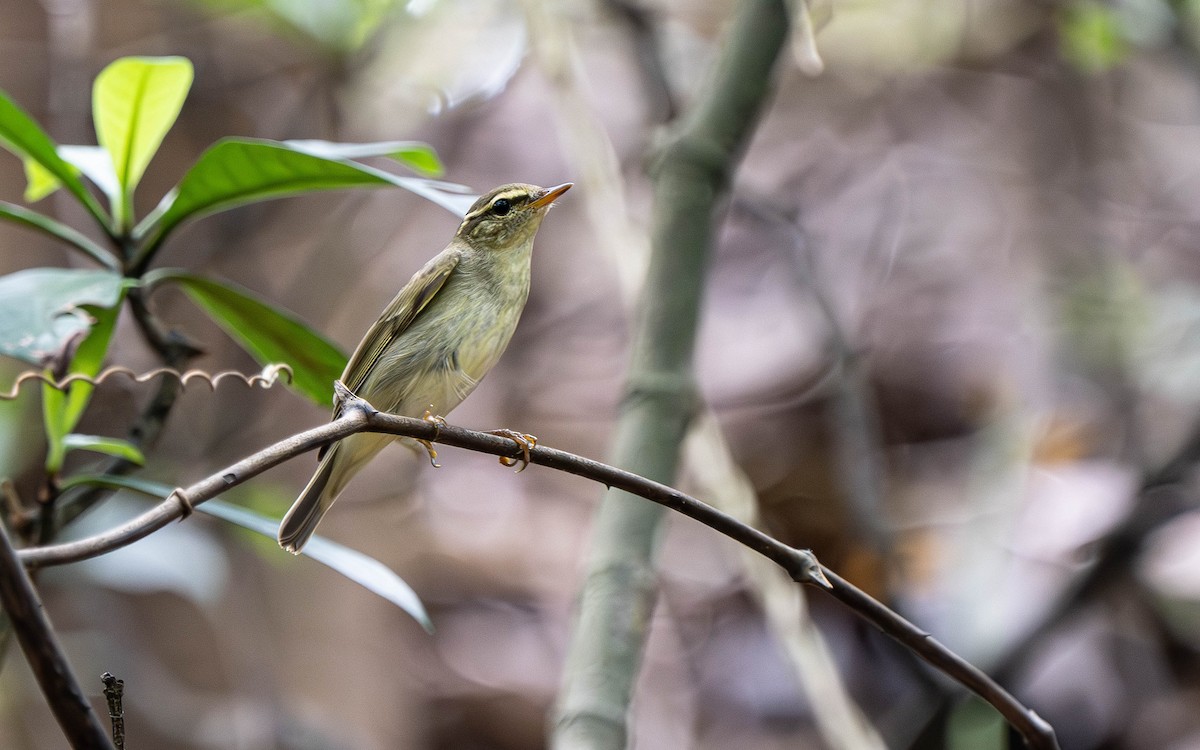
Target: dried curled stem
<point>265,379</point>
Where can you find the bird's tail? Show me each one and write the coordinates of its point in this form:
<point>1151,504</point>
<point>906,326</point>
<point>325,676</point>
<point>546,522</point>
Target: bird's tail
<point>302,519</point>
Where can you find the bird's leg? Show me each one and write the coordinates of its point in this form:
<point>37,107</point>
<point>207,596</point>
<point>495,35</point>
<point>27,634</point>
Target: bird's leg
<point>438,423</point>
<point>524,441</point>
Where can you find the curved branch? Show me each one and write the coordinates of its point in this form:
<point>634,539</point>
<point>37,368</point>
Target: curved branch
<point>359,416</point>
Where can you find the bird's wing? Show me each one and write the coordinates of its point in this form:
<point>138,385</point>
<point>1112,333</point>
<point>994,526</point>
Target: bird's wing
<point>398,316</point>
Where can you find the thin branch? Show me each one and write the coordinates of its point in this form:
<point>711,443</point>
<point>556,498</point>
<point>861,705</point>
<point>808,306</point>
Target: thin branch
<point>359,416</point>
<point>46,660</point>
<point>114,693</point>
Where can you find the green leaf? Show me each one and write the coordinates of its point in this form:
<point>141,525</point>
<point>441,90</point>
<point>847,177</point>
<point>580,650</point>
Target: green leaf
<point>107,445</point>
<point>41,309</point>
<point>58,230</point>
<point>61,410</point>
<point>237,171</point>
<point>266,332</point>
<point>363,570</point>
<point>418,156</point>
<point>21,135</point>
<point>135,101</point>
<point>95,163</point>
<point>146,487</point>
<point>38,181</point>
<point>1091,37</point>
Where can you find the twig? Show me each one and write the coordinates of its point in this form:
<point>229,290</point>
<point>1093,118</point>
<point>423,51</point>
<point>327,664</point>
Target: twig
<point>114,692</point>
<point>359,416</point>
<point>44,654</point>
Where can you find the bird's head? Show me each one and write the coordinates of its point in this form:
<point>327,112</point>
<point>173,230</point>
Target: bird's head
<point>508,216</point>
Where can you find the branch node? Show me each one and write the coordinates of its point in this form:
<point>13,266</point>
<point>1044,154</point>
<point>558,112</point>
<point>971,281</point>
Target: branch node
<point>185,503</point>
<point>346,400</point>
<point>807,569</point>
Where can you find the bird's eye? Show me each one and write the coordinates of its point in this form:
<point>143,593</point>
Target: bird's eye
<point>501,207</point>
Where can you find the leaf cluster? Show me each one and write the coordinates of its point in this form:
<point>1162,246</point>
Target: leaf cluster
<point>62,320</point>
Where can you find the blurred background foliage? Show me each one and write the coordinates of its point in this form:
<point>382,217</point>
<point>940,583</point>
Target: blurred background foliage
<point>951,333</point>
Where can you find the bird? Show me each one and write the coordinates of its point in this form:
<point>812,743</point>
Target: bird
<point>437,338</point>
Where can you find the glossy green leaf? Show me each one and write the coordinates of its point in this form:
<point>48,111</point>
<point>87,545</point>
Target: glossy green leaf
<point>58,230</point>
<point>107,445</point>
<point>135,101</point>
<point>61,411</point>
<point>265,331</point>
<point>238,171</point>
<point>41,309</point>
<point>420,157</point>
<point>21,135</point>
<point>363,570</point>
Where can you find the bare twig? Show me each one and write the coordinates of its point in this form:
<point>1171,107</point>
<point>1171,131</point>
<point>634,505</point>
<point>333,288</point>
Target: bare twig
<point>359,416</point>
<point>114,693</point>
<point>44,654</point>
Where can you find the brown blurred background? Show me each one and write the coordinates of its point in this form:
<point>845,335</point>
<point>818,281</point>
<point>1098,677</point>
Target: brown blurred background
<point>952,327</point>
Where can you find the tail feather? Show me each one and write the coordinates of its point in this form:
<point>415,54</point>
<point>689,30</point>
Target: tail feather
<point>302,519</point>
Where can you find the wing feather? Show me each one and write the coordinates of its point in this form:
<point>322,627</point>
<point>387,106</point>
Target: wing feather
<point>397,317</point>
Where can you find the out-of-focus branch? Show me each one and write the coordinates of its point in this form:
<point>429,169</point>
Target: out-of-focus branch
<point>359,416</point>
<point>707,456</point>
<point>1158,502</point>
<point>691,176</point>
<point>49,665</point>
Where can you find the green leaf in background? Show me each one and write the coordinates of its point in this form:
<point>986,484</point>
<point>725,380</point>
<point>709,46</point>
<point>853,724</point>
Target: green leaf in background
<point>266,332</point>
<point>363,570</point>
<point>107,445</point>
<point>61,411</point>
<point>420,157</point>
<point>41,309</point>
<point>974,725</point>
<point>135,101</point>
<point>58,230</point>
<point>341,26</point>
<point>21,135</point>
<point>1091,36</point>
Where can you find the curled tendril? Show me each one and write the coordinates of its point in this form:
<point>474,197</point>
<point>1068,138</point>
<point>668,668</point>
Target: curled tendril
<point>269,376</point>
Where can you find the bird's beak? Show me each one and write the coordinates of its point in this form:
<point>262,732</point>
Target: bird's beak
<point>551,193</point>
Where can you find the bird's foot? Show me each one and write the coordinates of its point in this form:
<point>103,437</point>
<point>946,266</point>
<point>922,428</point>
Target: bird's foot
<point>524,441</point>
<point>438,423</point>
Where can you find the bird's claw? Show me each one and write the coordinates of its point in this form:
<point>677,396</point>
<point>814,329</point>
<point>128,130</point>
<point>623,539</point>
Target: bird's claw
<point>438,423</point>
<point>524,441</point>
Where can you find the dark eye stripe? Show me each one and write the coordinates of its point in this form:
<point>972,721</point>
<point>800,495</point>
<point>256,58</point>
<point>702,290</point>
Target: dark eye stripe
<point>514,197</point>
